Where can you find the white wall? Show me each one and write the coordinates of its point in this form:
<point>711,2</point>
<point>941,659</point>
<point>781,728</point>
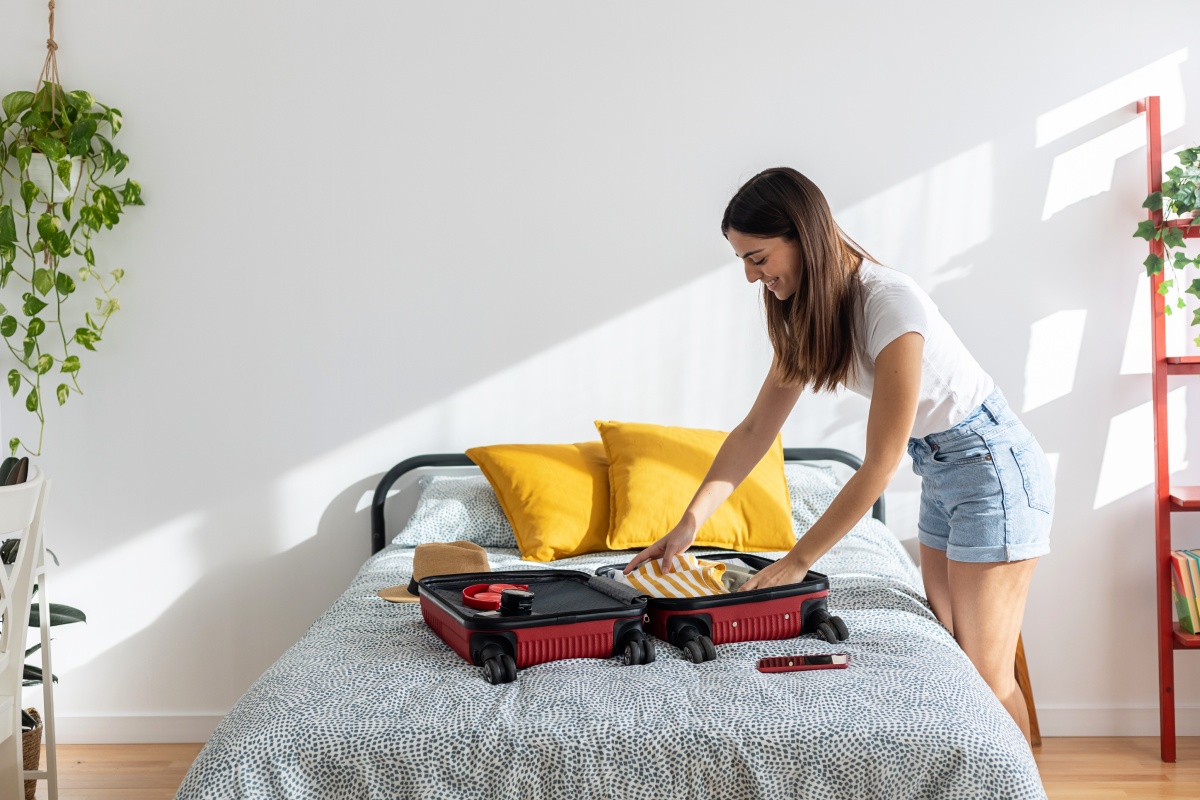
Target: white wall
<point>382,229</point>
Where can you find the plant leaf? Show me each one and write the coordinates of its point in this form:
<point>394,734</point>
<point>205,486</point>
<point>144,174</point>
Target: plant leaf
<point>14,381</point>
<point>43,281</point>
<point>59,615</point>
<point>8,227</point>
<point>60,245</point>
<point>13,444</point>
<point>63,170</point>
<point>1154,202</point>
<point>48,225</point>
<point>29,193</point>
<point>45,363</point>
<point>64,284</point>
<point>8,326</point>
<point>51,148</point>
<point>1173,238</point>
<point>132,194</point>
<point>70,364</point>
<point>36,327</point>
<point>16,102</point>
<point>1154,264</point>
<point>63,392</point>
<point>31,400</point>
<point>32,305</point>
<point>86,337</point>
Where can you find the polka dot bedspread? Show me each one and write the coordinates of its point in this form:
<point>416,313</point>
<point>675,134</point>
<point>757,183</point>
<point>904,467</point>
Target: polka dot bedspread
<point>371,704</point>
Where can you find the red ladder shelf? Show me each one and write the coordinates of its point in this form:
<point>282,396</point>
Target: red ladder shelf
<point>1168,498</point>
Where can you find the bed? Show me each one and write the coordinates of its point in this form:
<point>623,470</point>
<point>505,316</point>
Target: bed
<point>371,704</point>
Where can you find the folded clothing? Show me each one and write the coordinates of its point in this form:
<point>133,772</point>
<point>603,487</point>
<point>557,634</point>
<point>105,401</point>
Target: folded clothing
<point>689,577</point>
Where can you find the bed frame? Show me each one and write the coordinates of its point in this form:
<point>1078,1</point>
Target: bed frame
<point>437,460</point>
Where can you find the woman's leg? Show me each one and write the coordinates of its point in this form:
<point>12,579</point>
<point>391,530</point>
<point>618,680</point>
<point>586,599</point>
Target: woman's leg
<point>988,604</point>
<point>937,584</point>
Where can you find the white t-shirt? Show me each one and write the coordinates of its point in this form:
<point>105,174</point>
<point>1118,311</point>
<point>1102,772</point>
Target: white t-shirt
<point>952,382</point>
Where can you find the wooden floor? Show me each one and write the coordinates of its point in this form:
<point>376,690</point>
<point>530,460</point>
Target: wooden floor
<point>1071,769</point>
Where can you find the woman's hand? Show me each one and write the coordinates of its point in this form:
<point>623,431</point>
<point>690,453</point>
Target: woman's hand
<point>675,542</point>
<point>788,569</point>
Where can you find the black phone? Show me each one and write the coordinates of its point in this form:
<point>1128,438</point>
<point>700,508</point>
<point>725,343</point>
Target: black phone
<point>798,663</point>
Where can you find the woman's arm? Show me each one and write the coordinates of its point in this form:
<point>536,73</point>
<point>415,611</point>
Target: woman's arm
<point>739,454</point>
<point>889,425</point>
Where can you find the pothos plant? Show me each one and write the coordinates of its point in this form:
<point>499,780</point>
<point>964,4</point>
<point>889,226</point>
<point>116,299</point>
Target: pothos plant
<point>1178,201</point>
<point>46,238</point>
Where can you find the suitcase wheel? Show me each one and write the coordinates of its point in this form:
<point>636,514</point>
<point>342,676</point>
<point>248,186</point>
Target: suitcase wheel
<point>639,651</point>
<point>833,630</point>
<point>500,669</point>
<point>699,650</point>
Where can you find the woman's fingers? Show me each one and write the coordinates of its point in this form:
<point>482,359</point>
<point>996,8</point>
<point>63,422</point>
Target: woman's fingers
<point>641,557</point>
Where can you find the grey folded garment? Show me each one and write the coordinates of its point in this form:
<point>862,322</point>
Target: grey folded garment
<point>735,575</point>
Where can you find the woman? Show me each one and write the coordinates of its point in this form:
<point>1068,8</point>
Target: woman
<point>836,318</point>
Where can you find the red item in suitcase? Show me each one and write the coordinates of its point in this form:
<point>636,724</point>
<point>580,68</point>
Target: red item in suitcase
<point>486,596</point>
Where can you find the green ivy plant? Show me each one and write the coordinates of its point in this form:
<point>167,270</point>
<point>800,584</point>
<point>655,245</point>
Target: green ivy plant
<point>1178,201</point>
<point>46,242</point>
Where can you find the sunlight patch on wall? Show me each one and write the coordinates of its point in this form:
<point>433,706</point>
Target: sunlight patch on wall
<point>1087,169</point>
<point>1053,358</point>
<point>921,224</point>
<point>125,589</point>
<point>1128,461</point>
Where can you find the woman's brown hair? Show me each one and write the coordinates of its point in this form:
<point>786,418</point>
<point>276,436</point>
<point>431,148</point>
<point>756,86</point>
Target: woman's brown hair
<point>814,331</point>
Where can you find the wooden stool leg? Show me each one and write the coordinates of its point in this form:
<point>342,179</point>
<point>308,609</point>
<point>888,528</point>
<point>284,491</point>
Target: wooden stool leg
<point>1035,734</point>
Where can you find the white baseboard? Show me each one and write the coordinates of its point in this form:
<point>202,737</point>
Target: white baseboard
<point>1054,721</point>
<point>152,729</point>
<point>1138,721</point>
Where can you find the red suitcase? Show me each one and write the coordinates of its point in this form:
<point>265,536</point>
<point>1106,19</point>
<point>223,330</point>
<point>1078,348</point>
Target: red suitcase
<point>697,624</point>
<point>564,614</point>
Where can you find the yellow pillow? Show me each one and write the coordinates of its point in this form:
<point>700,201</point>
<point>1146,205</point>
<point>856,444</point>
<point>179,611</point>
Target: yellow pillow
<point>554,495</point>
<point>655,471</point>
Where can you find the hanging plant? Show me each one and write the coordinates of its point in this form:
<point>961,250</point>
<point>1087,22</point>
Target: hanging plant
<point>1178,203</point>
<point>54,199</point>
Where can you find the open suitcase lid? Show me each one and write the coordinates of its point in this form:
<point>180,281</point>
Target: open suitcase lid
<point>813,582</point>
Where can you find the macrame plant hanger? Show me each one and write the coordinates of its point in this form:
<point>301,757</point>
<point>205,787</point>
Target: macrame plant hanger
<point>50,68</point>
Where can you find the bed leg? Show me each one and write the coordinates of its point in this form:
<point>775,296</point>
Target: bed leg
<point>1035,735</point>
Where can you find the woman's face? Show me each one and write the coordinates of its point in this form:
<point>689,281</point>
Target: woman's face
<point>775,262</point>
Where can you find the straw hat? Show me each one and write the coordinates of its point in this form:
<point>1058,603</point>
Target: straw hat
<point>438,558</point>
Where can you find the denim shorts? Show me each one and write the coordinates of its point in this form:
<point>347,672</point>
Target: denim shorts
<point>987,491</point>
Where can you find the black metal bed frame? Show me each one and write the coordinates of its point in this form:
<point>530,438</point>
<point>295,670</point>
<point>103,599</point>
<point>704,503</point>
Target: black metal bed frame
<point>379,539</point>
